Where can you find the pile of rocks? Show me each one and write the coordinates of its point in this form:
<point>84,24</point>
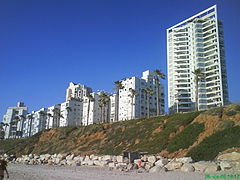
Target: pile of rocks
<point>152,164</point>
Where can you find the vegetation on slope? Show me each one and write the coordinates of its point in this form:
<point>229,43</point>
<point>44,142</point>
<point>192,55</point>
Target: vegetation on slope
<point>179,134</point>
<point>210,147</point>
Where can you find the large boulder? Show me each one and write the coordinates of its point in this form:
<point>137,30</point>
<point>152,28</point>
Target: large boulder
<point>225,165</point>
<point>157,169</point>
<point>184,160</point>
<point>206,166</point>
<point>173,165</point>
<point>119,159</point>
<point>233,156</point>
<point>187,167</point>
<point>107,158</point>
<point>100,163</point>
<point>152,159</point>
<point>70,157</point>
<point>161,162</point>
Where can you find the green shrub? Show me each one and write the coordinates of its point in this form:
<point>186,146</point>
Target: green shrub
<point>209,148</point>
<point>237,107</point>
<point>225,124</point>
<point>185,138</point>
<point>231,113</point>
<point>217,111</point>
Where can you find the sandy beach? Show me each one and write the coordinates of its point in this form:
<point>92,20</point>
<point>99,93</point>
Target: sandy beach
<point>45,172</point>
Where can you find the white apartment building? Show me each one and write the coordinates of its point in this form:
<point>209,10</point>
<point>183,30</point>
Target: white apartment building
<point>38,121</point>
<point>53,116</point>
<point>92,112</point>
<point>13,120</point>
<point>71,113</point>
<point>196,43</point>
<point>131,107</point>
<point>113,105</point>
<point>77,91</point>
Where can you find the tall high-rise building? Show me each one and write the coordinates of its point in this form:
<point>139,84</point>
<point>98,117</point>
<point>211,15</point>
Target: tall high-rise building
<point>196,44</point>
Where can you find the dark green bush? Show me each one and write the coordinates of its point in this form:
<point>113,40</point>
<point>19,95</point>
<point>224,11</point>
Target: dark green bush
<point>231,113</point>
<point>226,124</point>
<point>185,138</point>
<point>209,148</point>
<point>217,111</point>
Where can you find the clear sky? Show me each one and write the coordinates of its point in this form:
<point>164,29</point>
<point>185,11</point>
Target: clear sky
<point>45,44</point>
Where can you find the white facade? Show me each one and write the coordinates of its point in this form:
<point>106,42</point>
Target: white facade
<point>113,105</point>
<point>39,121</point>
<point>77,91</point>
<point>72,113</point>
<point>53,118</point>
<point>13,128</point>
<point>131,107</point>
<point>92,112</point>
<point>196,43</point>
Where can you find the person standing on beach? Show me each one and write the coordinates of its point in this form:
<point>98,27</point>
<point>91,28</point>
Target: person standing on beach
<point>3,167</point>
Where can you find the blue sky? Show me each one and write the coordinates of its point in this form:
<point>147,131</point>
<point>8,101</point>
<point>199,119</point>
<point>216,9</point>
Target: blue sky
<point>45,44</point>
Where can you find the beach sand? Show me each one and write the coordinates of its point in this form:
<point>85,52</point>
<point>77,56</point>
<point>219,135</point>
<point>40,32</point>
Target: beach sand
<point>45,172</point>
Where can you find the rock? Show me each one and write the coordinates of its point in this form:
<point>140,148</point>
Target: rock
<point>87,158</point>
<point>70,157</point>
<point>71,162</point>
<point>141,170</point>
<point>107,158</point>
<point>126,160</point>
<point>111,165</point>
<point>212,168</point>
<point>155,169</point>
<point>61,156</point>
<point>63,162</point>
<point>100,163</point>
<point>206,166</point>
<point>144,158</point>
<point>224,165</point>
<point>184,160</point>
<point>119,159</point>
<point>152,159</point>
<point>173,165</point>
<point>130,166</point>
<point>90,163</point>
<point>233,156</point>
<point>50,162</point>
<point>161,162</point>
<point>57,160</point>
<point>187,168</point>
<point>93,157</point>
<point>148,166</point>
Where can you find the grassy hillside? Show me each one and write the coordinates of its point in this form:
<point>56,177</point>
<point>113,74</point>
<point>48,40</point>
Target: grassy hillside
<point>175,135</point>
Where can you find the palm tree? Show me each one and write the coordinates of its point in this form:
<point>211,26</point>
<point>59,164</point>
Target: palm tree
<point>30,116</point>
<point>68,111</point>
<point>148,92</point>
<point>198,76</point>
<point>90,99</point>
<point>49,115</point>
<point>42,114</point>
<point>132,94</point>
<point>103,101</point>
<point>118,86</point>
<point>56,117</point>
<point>158,74</point>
